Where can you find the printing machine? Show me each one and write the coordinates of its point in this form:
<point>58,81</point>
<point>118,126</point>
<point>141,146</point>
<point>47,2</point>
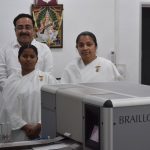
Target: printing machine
<point>99,116</point>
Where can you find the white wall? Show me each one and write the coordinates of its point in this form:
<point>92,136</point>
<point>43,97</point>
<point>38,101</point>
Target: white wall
<point>79,15</point>
<point>129,36</point>
<point>9,10</point>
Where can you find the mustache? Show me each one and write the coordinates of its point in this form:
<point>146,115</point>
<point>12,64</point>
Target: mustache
<point>22,33</point>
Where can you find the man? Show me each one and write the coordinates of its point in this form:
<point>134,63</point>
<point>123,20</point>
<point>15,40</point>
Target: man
<point>24,29</point>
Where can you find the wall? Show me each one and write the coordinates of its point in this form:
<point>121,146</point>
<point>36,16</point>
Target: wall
<point>128,36</point>
<point>79,15</point>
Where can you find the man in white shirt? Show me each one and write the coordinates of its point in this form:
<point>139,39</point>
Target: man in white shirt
<point>24,29</point>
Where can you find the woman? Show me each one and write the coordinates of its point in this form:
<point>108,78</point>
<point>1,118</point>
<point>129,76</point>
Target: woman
<point>89,67</point>
<point>23,96</point>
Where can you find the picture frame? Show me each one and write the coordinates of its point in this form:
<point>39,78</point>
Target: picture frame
<point>48,24</point>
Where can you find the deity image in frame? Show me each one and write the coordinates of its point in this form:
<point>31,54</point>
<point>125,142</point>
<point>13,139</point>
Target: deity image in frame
<point>49,24</point>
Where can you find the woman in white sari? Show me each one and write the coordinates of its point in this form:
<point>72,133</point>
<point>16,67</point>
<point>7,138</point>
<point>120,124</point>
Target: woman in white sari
<point>22,95</point>
<point>89,67</point>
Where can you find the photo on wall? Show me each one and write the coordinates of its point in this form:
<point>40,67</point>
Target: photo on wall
<point>49,24</point>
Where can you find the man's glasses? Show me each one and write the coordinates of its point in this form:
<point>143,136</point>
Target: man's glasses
<point>26,27</point>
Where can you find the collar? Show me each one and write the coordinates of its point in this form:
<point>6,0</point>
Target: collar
<point>17,45</point>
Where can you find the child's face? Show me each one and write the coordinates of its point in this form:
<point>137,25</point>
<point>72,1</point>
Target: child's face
<point>28,59</point>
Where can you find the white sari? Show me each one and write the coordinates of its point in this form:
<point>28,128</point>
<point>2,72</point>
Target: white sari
<point>22,97</point>
<point>99,70</point>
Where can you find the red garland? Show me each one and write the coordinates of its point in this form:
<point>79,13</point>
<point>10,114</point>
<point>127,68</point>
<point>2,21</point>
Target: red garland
<point>46,2</point>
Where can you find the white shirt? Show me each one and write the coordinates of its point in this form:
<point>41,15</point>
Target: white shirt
<point>9,59</point>
<point>22,97</point>
<point>99,70</point>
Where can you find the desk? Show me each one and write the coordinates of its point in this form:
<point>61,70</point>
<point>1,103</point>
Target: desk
<point>29,145</point>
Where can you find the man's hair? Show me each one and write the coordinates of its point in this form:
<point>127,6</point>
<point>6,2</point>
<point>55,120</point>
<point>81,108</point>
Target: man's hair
<point>23,16</point>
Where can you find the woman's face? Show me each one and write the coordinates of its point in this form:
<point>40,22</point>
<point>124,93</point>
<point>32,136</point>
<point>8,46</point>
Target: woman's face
<point>86,48</point>
<point>28,60</point>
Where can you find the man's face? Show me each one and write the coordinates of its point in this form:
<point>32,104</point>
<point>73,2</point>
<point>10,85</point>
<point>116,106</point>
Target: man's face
<point>24,31</point>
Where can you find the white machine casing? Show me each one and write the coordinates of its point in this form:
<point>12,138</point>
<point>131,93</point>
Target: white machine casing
<point>120,111</point>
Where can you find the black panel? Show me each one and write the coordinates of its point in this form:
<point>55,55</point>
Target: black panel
<point>145,62</point>
<point>92,120</point>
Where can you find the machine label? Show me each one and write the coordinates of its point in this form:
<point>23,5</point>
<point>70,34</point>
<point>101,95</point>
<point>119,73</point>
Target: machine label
<point>137,118</point>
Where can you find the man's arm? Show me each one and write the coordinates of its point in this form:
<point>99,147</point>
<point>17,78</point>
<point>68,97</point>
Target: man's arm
<point>3,70</point>
<point>45,62</point>
<point>48,62</point>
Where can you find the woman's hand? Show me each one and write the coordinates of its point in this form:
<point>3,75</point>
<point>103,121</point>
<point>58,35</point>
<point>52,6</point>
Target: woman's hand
<point>32,130</point>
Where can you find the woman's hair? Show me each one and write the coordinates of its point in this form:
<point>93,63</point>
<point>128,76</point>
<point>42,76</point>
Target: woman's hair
<point>89,34</point>
<point>22,48</point>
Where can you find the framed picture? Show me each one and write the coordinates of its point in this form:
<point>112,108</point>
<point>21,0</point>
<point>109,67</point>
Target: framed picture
<point>49,24</point>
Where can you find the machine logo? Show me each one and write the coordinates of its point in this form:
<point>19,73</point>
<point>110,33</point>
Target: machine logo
<point>137,118</point>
